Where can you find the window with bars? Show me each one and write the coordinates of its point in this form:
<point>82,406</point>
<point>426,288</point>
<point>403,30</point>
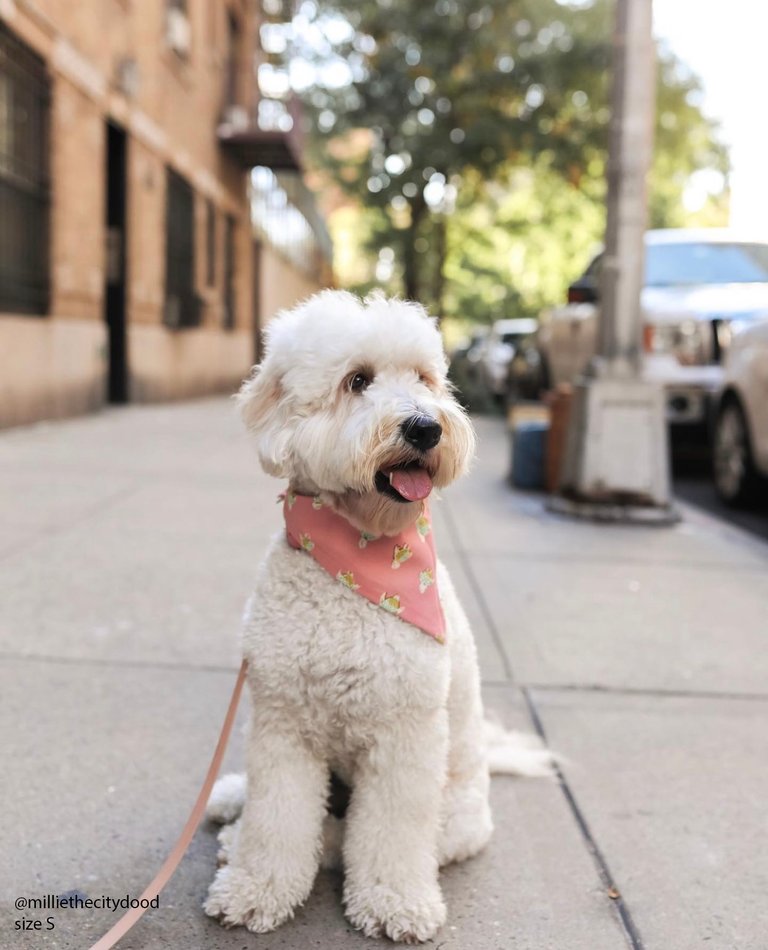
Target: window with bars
<point>182,304</point>
<point>229,273</point>
<point>210,243</point>
<point>24,183</point>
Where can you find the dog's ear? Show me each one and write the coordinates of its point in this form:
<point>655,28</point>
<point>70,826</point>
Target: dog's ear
<point>263,407</point>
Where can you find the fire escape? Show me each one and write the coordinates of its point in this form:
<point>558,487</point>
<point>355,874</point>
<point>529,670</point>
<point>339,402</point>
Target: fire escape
<point>255,130</point>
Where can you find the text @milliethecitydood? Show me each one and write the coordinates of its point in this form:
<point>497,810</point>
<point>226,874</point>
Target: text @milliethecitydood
<point>31,907</point>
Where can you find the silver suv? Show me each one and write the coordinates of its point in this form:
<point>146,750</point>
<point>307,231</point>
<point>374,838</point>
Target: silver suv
<point>697,283</point>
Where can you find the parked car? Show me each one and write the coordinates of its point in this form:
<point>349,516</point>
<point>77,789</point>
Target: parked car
<point>527,373</point>
<point>465,369</point>
<point>499,349</point>
<point>740,427</point>
<point>697,282</point>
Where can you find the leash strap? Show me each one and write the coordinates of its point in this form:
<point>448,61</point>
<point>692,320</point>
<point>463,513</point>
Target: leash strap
<point>132,916</point>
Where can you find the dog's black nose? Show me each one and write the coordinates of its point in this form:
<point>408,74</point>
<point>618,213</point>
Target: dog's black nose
<point>422,432</point>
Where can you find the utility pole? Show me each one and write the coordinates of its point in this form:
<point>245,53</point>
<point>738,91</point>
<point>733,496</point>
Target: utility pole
<point>616,464</point>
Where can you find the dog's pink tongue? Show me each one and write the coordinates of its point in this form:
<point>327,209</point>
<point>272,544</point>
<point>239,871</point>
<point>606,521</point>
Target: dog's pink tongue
<point>412,483</point>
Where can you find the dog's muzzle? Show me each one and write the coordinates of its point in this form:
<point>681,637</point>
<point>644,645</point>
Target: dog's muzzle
<point>411,480</point>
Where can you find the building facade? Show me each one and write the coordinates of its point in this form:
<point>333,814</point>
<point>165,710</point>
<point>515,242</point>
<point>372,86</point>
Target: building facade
<point>151,220</point>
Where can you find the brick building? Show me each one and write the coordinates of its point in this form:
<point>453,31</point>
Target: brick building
<point>152,211</point>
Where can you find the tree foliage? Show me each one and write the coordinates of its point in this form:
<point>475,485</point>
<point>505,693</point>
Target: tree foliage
<point>463,127</point>
<point>514,244</point>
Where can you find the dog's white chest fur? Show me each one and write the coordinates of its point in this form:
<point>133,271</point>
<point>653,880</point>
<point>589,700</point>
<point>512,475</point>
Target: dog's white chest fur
<point>337,663</point>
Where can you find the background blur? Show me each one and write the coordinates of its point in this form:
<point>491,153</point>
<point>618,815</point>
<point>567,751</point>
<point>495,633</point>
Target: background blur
<point>173,173</point>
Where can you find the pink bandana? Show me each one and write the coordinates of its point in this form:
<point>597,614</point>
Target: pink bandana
<point>397,574</point>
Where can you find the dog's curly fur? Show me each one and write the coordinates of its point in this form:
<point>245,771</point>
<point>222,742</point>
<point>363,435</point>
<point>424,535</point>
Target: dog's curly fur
<point>337,683</point>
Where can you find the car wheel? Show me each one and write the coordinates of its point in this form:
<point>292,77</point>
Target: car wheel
<point>734,470</point>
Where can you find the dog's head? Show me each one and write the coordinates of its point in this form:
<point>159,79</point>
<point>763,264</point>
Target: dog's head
<point>352,402</point>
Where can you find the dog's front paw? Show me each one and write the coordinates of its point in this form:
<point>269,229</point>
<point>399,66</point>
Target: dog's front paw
<point>238,899</point>
<point>412,917</point>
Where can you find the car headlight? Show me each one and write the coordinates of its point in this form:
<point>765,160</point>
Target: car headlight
<point>689,341</point>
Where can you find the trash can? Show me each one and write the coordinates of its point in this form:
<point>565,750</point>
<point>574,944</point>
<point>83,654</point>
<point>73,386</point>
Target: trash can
<point>529,441</point>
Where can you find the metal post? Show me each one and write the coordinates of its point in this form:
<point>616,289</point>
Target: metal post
<point>616,464</point>
<point>629,158</point>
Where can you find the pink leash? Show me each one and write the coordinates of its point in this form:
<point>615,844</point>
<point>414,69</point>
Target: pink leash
<point>132,916</point>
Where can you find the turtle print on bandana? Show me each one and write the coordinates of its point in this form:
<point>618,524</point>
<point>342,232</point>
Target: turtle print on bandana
<point>395,573</point>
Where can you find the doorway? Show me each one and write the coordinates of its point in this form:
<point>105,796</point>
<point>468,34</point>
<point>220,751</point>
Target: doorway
<point>256,302</point>
<point>115,286</point>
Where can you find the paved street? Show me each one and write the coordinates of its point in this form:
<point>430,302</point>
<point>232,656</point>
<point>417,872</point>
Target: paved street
<point>696,487</point>
<point>128,542</point>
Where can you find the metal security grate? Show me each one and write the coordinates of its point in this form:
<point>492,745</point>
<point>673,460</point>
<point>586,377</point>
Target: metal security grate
<point>229,274</point>
<point>210,243</point>
<point>24,182</point>
<point>182,305</point>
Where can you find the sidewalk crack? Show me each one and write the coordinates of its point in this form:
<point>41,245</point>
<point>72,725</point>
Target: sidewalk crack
<point>658,692</point>
<point>121,663</point>
<point>601,865</point>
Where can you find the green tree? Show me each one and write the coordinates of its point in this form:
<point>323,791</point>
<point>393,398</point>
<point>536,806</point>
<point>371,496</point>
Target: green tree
<point>686,143</point>
<point>514,244</point>
<point>431,103</point>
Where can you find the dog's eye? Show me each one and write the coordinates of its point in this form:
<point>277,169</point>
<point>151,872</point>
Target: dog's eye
<point>358,382</point>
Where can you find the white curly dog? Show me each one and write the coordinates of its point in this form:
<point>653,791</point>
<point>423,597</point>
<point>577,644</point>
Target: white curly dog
<point>349,393</point>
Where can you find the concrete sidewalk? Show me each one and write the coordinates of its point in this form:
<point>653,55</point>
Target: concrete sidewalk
<point>128,542</point>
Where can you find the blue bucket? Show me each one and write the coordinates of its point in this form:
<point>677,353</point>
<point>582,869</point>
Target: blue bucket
<point>529,444</point>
